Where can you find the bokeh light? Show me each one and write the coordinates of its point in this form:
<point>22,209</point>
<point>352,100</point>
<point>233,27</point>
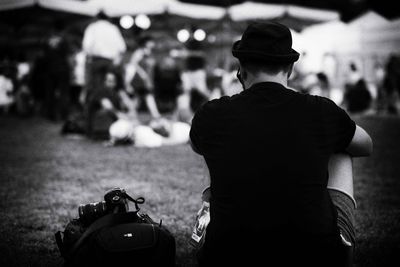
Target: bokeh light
<point>183,35</point>
<point>199,35</point>
<point>143,21</point>
<point>126,22</point>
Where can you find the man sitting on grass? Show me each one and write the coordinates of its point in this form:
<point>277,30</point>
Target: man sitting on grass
<point>268,150</point>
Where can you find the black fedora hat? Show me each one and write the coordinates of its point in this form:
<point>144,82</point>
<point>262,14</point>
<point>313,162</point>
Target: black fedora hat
<point>266,41</point>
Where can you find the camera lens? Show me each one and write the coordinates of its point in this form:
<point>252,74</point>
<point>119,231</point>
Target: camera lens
<point>90,212</point>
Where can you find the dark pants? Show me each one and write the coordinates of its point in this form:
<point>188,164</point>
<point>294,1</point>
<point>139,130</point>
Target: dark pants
<point>56,97</point>
<point>339,255</point>
<point>96,70</point>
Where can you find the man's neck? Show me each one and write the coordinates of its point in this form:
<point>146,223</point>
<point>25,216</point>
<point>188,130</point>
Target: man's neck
<point>262,77</point>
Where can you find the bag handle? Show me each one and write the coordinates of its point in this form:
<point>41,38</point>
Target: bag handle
<point>105,221</point>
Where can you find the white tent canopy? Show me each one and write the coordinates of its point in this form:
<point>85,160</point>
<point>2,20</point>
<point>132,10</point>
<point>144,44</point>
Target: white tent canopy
<point>15,4</point>
<point>369,19</point>
<point>252,11</point>
<point>329,37</point>
<point>76,7</point>
<point>115,8</point>
<point>378,35</point>
<point>356,37</point>
<point>196,11</point>
<point>92,7</point>
<point>367,40</point>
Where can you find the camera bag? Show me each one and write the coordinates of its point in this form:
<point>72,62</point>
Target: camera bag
<point>116,238</point>
<point>121,238</point>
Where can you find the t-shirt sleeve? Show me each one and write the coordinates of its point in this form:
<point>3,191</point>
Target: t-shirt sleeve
<point>338,127</point>
<point>205,123</point>
<point>197,130</point>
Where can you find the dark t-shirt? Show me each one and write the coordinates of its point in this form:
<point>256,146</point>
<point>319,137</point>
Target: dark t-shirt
<point>267,150</point>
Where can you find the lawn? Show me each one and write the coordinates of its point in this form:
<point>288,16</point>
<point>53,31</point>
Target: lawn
<point>44,176</point>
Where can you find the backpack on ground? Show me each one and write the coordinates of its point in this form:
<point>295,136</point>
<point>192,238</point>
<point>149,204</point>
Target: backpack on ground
<point>107,234</point>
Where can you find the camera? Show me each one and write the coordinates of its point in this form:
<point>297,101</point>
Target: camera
<point>115,201</point>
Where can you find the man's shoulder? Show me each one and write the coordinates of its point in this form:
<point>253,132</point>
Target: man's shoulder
<point>213,111</point>
<point>322,106</point>
<point>217,105</point>
<point>316,100</point>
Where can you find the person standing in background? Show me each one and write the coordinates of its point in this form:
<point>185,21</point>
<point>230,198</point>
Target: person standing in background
<point>167,83</point>
<point>57,75</point>
<point>139,75</point>
<point>357,97</point>
<point>391,83</point>
<point>195,91</point>
<point>104,46</point>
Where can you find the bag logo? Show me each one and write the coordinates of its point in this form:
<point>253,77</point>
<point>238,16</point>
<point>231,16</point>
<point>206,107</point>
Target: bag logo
<point>128,235</point>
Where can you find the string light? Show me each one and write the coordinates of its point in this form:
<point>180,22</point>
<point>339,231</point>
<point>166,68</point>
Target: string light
<point>143,21</point>
<point>183,35</point>
<point>126,22</point>
<point>199,35</point>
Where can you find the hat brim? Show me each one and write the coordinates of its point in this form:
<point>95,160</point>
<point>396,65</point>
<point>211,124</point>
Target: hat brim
<point>293,56</point>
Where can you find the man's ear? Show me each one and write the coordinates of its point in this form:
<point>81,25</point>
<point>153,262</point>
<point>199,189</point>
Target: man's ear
<point>290,70</point>
<point>243,73</point>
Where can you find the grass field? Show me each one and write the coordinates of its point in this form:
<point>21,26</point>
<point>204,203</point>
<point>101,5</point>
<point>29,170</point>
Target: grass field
<point>45,176</point>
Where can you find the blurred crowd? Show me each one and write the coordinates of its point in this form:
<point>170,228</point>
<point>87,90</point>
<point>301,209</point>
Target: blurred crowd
<point>91,86</point>
<point>98,87</point>
<point>358,93</point>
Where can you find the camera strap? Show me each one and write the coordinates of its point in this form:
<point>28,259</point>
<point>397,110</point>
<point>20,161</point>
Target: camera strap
<point>60,243</point>
<point>139,200</point>
<point>105,221</point>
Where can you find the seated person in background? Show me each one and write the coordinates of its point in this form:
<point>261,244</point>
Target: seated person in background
<point>160,132</point>
<point>106,106</point>
<point>6,92</point>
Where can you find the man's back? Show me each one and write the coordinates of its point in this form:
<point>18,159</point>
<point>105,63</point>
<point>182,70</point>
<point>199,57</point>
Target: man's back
<point>267,150</point>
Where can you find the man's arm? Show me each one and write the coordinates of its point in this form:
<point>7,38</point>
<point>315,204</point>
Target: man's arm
<point>341,166</point>
<point>206,194</point>
<point>361,144</point>
<point>340,170</point>
<point>194,147</point>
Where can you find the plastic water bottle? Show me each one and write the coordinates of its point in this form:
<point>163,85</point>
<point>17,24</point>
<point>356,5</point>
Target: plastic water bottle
<point>199,230</point>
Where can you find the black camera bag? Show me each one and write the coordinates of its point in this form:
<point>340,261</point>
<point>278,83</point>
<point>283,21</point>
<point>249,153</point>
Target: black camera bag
<point>121,238</point>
